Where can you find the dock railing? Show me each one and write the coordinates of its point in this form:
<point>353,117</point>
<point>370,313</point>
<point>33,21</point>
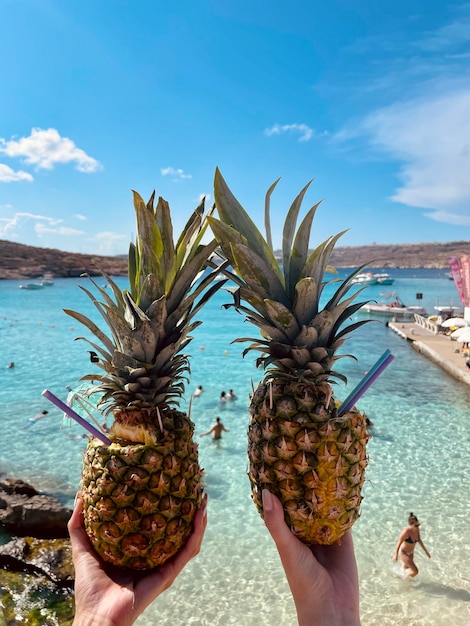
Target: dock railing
<point>424,322</point>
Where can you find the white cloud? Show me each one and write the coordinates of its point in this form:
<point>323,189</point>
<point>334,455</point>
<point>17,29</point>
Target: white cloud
<point>46,148</point>
<point>430,136</point>
<point>424,129</point>
<point>305,132</point>
<point>7,175</point>
<point>10,226</point>
<point>177,174</point>
<point>107,243</point>
<point>63,231</point>
<point>81,217</point>
<point>15,227</point>
<point>455,219</point>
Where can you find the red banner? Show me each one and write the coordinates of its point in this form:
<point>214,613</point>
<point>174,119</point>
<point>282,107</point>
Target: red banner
<point>454,264</point>
<point>465,271</point>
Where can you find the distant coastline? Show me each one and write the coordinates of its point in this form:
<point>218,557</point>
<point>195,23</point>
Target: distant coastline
<point>19,261</point>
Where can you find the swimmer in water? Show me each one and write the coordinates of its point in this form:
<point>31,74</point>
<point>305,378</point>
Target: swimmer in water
<point>39,416</point>
<point>216,430</point>
<point>198,392</point>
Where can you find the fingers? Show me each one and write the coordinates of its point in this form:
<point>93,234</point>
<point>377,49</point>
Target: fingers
<point>292,551</point>
<point>338,556</point>
<point>193,545</point>
<point>78,536</point>
<point>273,514</point>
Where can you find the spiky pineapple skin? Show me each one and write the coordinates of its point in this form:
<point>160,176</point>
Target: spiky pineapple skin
<point>307,455</point>
<point>140,500</point>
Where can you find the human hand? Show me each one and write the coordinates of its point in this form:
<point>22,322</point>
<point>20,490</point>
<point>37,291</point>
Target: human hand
<point>109,596</point>
<point>323,579</point>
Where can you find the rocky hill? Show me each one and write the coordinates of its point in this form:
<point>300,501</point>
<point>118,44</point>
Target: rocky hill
<point>28,262</point>
<point>409,255</point>
<point>20,261</point>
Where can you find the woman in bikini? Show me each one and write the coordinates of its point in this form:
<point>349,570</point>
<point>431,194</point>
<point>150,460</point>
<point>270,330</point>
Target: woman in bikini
<point>407,540</point>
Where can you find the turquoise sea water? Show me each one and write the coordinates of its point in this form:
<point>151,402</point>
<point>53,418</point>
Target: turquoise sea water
<point>419,459</point>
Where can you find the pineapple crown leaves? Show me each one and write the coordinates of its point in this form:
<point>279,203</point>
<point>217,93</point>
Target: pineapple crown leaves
<point>286,304</point>
<point>150,323</point>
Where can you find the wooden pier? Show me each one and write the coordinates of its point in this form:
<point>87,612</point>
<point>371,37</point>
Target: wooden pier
<point>425,337</point>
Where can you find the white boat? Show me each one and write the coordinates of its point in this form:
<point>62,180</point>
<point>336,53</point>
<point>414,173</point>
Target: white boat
<point>384,279</point>
<point>32,286</point>
<point>393,306</point>
<point>47,280</point>
<point>365,279</point>
<point>446,311</point>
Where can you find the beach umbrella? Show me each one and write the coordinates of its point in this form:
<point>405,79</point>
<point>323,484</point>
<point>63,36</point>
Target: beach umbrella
<point>454,321</point>
<point>459,331</point>
<point>464,337</point>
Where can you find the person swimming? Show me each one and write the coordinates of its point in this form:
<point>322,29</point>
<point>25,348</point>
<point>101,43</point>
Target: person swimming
<point>198,392</point>
<point>405,547</point>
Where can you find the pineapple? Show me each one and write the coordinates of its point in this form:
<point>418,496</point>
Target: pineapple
<point>299,447</point>
<point>141,492</point>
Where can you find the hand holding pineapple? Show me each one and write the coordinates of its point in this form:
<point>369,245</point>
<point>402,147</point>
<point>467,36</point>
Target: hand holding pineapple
<point>323,579</point>
<point>106,595</point>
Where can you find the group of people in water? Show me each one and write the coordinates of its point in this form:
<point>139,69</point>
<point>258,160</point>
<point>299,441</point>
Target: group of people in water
<point>225,396</point>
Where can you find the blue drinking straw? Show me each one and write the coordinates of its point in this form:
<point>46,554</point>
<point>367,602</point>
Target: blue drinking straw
<point>372,375</point>
<point>75,416</point>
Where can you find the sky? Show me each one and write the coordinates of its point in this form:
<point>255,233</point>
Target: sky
<point>369,99</point>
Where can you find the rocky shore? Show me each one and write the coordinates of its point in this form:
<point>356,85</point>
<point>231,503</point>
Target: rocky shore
<point>36,569</point>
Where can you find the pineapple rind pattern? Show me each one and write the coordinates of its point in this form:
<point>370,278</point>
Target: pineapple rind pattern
<point>314,462</point>
<point>140,500</point>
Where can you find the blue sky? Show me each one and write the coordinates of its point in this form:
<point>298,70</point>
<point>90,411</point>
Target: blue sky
<point>370,99</point>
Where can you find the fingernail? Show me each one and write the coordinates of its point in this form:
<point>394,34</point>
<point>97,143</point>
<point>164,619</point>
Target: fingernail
<point>77,496</point>
<point>267,500</point>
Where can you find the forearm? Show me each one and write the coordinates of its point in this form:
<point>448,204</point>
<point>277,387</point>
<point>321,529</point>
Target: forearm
<point>324,615</point>
<point>92,620</point>
<point>323,607</point>
<point>397,549</point>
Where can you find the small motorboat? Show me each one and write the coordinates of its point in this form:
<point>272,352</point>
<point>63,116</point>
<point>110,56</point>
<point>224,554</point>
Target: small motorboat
<point>364,279</point>
<point>393,306</point>
<point>32,286</point>
<point>384,279</point>
<point>47,280</point>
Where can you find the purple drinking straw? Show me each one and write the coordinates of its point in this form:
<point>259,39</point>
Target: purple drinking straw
<point>364,385</point>
<point>75,416</point>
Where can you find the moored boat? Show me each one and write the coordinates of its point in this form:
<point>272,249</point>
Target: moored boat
<point>384,279</point>
<point>47,280</point>
<point>31,286</point>
<point>393,306</point>
<point>364,279</point>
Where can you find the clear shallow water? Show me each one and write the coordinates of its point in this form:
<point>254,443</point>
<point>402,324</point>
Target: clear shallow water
<point>419,460</point>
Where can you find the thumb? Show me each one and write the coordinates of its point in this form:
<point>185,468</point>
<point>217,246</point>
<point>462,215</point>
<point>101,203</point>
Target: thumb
<point>273,514</point>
